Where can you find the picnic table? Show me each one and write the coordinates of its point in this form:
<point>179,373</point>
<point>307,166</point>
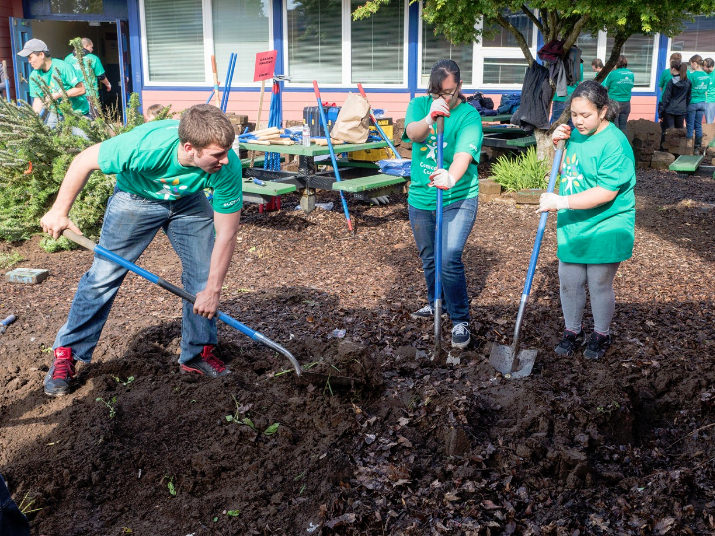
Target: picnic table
<point>360,180</point>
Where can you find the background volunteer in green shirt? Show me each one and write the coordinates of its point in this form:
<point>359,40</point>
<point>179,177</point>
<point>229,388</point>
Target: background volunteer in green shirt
<point>619,84</point>
<point>596,216</point>
<point>162,169</point>
<point>462,145</point>
<point>675,59</point>
<point>709,68</point>
<point>56,74</point>
<point>700,83</point>
<point>93,66</point>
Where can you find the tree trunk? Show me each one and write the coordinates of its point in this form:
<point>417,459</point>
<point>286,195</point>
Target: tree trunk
<point>544,147</point>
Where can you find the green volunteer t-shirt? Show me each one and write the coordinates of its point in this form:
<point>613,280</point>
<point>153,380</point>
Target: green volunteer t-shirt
<point>146,163</point>
<point>602,234</point>
<point>92,65</point>
<point>462,134</point>
<point>710,96</point>
<point>569,89</point>
<point>665,77</point>
<point>700,82</point>
<point>68,79</point>
<point>619,84</point>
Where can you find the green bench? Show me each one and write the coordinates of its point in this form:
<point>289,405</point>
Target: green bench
<point>253,193</point>
<point>371,182</point>
<point>686,163</point>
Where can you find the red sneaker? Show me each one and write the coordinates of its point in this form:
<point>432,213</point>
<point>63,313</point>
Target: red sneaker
<point>58,378</point>
<point>206,363</point>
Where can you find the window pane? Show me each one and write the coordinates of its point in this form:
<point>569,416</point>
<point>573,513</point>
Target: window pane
<point>588,44</point>
<point>175,40</point>
<point>315,41</point>
<point>77,6</point>
<point>638,50</point>
<point>504,70</point>
<point>698,35</point>
<point>505,38</point>
<point>377,45</point>
<point>240,26</point>
<point>437,48</point>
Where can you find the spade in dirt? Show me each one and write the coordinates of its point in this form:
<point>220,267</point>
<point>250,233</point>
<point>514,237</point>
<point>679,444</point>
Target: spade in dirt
<point>511,361</point>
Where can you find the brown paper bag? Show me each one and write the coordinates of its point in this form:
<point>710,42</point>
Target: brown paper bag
<point>353,122</point>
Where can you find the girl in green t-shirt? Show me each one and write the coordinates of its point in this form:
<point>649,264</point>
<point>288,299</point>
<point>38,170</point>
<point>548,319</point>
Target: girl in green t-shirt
<point>700,82</point>
<point>596,215</point>
<point>709,68</point>
<point>458,178</point>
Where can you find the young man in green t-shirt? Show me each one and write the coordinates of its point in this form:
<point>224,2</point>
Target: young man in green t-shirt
<point>58,76</point>
<point>709,68</point>
<point>93,67</point>
<point>162,169</point>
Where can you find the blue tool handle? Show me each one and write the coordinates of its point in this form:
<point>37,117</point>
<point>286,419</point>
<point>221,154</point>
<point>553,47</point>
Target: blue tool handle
<point>542,223</point>
<point>9,320</point>
<point>438,242</point>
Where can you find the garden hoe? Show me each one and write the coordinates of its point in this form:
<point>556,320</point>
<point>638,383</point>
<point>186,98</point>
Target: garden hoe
<point>511,361</point>
<point>438,246</point>
<point>258,337</point>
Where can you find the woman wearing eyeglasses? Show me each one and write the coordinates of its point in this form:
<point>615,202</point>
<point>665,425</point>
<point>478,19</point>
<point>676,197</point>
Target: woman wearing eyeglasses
<point>458,179</point>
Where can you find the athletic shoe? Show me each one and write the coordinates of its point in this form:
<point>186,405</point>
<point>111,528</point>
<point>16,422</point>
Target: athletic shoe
<point>460,335</point>
<point>597,346</point>
<point>206,364</point>
<point>422,314</point>
<point>570,343</point>
<point>58,378</point>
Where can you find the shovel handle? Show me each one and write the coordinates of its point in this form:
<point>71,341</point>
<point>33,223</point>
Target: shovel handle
<point>256,336</point>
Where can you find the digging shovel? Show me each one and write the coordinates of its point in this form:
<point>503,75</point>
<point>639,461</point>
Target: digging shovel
<point>258,337</point>
<point>511,361</point>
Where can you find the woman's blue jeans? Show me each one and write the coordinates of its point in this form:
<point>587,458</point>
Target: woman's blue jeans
<point>130,224</point>
<point>457,222</point>
<point>694,119</point>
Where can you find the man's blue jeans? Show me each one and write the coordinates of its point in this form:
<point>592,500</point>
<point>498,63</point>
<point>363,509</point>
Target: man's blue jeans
<point>130,224</point>
<point>709,112</point>
<point>694,119</point>
<point>457,222</point>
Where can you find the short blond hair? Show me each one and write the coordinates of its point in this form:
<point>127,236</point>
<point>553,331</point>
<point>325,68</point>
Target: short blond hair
<point>153,111</point>
<point>204,124</point>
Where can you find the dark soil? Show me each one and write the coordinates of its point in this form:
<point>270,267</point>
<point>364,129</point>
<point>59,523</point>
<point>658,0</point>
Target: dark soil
<point>407,445</point>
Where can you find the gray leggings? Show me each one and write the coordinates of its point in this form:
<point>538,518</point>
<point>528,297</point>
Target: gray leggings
<point>573,279</point>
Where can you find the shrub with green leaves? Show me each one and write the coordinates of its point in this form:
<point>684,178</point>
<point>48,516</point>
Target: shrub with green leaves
<point>520,173</point>
<point>35,158</point>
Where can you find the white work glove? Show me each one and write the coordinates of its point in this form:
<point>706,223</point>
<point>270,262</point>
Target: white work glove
<point>439,107</point>
<point>442,179</point>
<point>562,132</point>
<point>552,202</point>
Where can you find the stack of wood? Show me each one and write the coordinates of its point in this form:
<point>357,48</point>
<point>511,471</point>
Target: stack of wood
<point>270,136</point>
<point>239,122</point>
<point>644,137</point>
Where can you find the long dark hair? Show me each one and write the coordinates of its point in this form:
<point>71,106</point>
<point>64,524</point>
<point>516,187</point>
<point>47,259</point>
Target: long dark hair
<point>440,72</point>
<point>598,96</point>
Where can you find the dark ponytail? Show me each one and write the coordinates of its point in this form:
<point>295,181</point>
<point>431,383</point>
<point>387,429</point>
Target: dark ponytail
<point>597,95</point>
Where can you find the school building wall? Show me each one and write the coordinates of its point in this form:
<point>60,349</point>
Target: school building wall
<point>8,8</point>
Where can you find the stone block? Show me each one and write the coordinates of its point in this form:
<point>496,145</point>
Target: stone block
<point>30,276</point>
<point>661,160</point>
<point>528,197</point>
<point>405,150</point>
<point>489,186</point>
<point>708,133</point>
<point>487,198</point>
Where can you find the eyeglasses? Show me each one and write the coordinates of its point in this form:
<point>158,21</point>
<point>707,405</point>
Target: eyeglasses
<point>445,94</point>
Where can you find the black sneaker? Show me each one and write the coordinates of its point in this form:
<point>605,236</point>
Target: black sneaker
<point>597,346</point>
<point>461,335</point>
<point>422,314</point>
<point>58,378</point>
<point>206,363</point>
<point>570,343</point>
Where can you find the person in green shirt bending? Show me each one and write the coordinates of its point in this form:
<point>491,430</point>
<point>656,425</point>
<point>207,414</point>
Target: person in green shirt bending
<point>58,76</point>
<point>700,82</point>
<point>619,84</point>
<point>93,67</point>
<point>162,169</point>
<point>462,144</point>
<point>709,67</point>
<point>596,216</point>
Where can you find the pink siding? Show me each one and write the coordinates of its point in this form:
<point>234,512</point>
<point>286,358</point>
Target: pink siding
<point>394,104</point>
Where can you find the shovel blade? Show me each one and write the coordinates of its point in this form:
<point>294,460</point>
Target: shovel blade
<point>503,360</point>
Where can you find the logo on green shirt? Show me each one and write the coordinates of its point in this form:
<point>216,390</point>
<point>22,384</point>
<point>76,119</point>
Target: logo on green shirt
<point>430,145</point>
<point>571,173</point>
<point>171,191</point>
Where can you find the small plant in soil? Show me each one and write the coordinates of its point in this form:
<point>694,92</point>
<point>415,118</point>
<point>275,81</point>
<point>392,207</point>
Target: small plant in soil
<point>239,415</point>
<point>111,405</point>
<point>521,173</point>
<point>128,381</point>
<point>170,486</point>
<point>25,505</point>
<point>9,259</point>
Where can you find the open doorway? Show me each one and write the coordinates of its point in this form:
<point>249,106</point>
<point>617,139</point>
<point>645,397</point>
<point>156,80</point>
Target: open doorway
<point>105,37</point>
